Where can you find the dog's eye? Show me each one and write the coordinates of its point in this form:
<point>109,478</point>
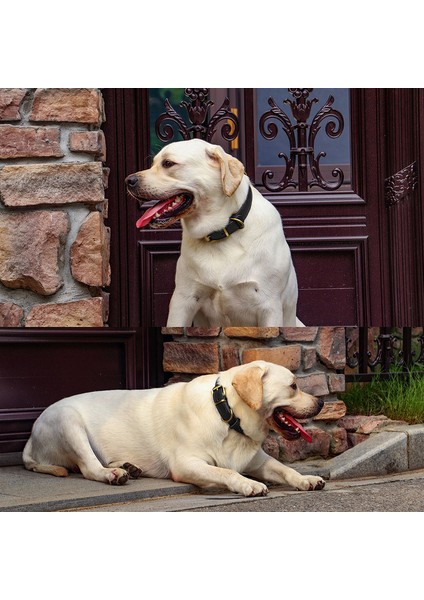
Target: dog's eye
<point>167,164</point>
<point>293,386</point>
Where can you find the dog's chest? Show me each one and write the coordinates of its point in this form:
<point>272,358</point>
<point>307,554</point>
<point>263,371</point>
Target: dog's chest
<point>236,452</point>
<point>224,273</point>
<point>231,304</point>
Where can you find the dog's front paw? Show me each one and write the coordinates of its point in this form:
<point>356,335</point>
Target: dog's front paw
<point>254,488</point>
<point>311,482</point>
<point>118,476</point>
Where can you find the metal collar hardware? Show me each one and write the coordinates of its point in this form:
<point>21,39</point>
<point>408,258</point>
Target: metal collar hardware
<point>224,409</point>
<point>236,221</point>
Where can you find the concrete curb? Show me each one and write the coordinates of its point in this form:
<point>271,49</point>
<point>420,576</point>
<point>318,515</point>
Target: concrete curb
<point>397,449</point>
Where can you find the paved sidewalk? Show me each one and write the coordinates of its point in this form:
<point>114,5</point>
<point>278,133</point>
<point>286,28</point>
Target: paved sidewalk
<point>22,490</point>
<point>396,450</point>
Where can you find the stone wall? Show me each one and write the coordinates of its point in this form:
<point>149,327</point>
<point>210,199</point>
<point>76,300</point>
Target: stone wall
<point>54,246</point>
<point>316,354</point>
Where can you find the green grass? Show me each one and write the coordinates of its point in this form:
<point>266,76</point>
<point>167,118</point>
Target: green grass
<point>399,398</point>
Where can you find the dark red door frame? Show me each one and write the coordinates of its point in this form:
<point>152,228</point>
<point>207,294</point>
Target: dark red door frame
<point>127,141</point>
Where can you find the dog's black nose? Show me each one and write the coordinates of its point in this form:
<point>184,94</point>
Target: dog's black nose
<point>131,180</point>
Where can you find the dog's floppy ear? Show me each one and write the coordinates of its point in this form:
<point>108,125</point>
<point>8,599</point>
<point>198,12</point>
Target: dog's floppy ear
<point>249,386</point>
<point>232,170</point>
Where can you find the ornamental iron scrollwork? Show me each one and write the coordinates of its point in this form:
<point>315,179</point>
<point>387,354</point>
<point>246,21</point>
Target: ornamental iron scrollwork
<point>400,185</point>
<point>201,126</point>
<point>394,351</point>
<point>362,359</point>
<point>385,352</point>
<point>352,358</point>
<point>302,142</point>
<point>410,356</point>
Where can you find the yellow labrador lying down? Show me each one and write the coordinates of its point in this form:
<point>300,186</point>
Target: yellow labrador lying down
<point>206,432</point>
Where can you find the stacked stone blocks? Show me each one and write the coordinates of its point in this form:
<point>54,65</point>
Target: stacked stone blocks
<point>317,355</point>
<point>54,246</point>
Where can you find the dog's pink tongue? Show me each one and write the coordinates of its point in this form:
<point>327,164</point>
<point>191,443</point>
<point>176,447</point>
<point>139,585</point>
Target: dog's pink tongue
<point>150,213</point>
<point>298,426</point>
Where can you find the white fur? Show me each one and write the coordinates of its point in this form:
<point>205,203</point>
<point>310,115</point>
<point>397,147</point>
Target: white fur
<point>173,432</point>
<point>247,279</point>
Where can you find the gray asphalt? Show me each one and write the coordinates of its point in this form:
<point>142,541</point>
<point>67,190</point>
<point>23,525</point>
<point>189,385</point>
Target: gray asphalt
<point>396,493</point>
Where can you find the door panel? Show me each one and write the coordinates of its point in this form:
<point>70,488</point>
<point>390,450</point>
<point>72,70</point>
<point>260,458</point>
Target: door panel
<point>158,260</point>
<point>329,274</point>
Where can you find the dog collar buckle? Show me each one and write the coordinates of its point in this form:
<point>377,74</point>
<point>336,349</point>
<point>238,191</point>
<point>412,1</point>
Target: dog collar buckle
<point>235,222</point>
<point>226,412</point>
<point>238,221</point>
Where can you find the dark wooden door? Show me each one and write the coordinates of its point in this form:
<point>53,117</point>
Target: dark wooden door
<point>358,250</point>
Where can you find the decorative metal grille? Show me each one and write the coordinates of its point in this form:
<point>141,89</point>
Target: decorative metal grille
<point>302,138</point>
<point>392,350</point>
<point>202,125</point>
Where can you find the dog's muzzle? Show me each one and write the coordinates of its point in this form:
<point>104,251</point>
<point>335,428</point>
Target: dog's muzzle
<point>165,211</point>
<point>284,423</point>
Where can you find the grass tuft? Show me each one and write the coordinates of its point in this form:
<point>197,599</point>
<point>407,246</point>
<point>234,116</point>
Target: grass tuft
<point>399,398</point>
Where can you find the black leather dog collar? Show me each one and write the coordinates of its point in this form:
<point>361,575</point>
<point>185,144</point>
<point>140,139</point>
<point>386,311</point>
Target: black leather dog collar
<point>224,409</point>
<point>236,221</point>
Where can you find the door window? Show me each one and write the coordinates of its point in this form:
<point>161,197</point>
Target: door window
<point>302,139</point>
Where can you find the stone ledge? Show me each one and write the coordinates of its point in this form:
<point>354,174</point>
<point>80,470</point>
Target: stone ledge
<point>203,332</point>
<point>252,332</point>
<point>29,142</point>
<point>57,184</point>
<point>11,315</point>
<point>172,330</point>
<point>90,252</point>
<point>80,313</point>
<point>333,410</point>
<point>89,142</point>
<point>299,334</point>
<point>331,347</point>
<point>10,102</point>
<point>190,357</point>
<point>68,105</point>
<point>314,384</point>
<point>286,356</point>
<point>31,250</point>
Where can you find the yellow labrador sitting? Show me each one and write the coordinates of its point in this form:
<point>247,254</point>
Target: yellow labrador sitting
<point>235,266</point>
<point>205,432</point>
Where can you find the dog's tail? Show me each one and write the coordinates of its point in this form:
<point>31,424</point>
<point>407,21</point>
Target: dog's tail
<point>32,465</point>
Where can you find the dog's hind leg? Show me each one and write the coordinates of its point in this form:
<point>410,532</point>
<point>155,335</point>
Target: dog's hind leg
<point>89,464</point>
<point>59,441</point>
<point>133,471</point>
<point>32,465</point>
